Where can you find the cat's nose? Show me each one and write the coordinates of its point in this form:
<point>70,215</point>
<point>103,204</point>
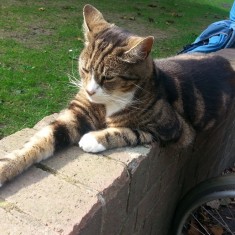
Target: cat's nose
<point>90,93</point>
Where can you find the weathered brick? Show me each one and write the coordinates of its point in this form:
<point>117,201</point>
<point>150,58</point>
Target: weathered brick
<point>160,216</point>
<point>128,155</point>
<point>52,201</point>
<point>95,171</point>
<point>146,205</point>
<point>14,222</point>
<point>16,140</point>
<point>91,224</point>
<point>115,202</point>
<point>139,178</point>
<point>161,163</point>
<point>109,177</point>
<point>129,226</point>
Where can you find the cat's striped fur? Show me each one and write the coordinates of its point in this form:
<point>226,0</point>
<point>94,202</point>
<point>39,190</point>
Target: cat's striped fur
<point>126,98</point>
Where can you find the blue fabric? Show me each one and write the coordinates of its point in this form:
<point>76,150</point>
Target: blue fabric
<point>232,12</point>
<point>216,36</point>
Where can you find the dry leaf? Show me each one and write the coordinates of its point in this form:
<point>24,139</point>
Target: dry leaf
<point>132,18</point>
<point>126,17</point>
<point>170,22</point>
<point>175,14</point>
<point>217,230</point>
<point>152,5</point>
<point>215,204</point>
<point>193,229</point>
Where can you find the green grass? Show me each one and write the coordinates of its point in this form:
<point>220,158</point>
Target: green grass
<point>36,39</point>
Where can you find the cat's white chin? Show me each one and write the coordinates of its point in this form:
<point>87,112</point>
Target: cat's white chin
<point>89,143</point>
<point>97,99</point>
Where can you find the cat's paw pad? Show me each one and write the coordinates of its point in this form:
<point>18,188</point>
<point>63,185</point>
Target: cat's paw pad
<point>89,143</point>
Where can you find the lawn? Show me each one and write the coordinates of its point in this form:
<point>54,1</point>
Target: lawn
<point>41,40</point>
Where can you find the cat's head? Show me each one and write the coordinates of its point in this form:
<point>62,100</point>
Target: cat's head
<point>113,61</point>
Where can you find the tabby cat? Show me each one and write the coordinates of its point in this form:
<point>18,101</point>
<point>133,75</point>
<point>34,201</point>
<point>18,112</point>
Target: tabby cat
<point>126,98</point>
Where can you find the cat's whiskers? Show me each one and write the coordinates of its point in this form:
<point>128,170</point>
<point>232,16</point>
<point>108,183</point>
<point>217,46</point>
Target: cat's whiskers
<point>75,81</point>
<point>118,99</point>
<point>141,88</point>
<point>115,98</point>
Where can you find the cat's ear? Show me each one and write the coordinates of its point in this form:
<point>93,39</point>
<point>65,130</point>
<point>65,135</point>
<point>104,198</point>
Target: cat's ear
<point>94,21</point>
<point>140,49</point>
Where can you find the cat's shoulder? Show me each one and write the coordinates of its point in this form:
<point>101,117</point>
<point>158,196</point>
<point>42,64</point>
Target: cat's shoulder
<point>194,57</point>
<point>195,60</point>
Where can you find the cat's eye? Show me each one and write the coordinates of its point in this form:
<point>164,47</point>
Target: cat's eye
<point>128,78</point>
<point>106,78</point>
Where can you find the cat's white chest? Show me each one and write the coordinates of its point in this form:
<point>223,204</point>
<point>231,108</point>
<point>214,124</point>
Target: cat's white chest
<point>117,105</point>
<point>113,108</point>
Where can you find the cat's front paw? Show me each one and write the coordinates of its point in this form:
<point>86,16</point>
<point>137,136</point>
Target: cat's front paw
<point>89,143</point>
<point>3,172</point>
<point>8,169</point>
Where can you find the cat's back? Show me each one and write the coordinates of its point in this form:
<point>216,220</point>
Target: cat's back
<point>200,87</point>
<point>193,66</point>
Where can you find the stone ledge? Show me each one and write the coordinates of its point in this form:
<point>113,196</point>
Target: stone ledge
<point>121,192</point>
<point>65,193</point>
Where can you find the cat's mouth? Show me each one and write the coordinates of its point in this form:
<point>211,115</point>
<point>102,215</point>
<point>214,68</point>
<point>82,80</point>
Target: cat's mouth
<point>97,98</point>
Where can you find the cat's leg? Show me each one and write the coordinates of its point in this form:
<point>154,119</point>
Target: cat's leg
<point>175,130</point>
<point>187,135</point>
<point>40,146</point>
<point>61,133</point>
<point>97,141</point>
<point>170,127</point>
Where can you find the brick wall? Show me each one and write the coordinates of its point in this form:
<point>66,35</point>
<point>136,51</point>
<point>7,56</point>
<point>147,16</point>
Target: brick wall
<point>129,191</point>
